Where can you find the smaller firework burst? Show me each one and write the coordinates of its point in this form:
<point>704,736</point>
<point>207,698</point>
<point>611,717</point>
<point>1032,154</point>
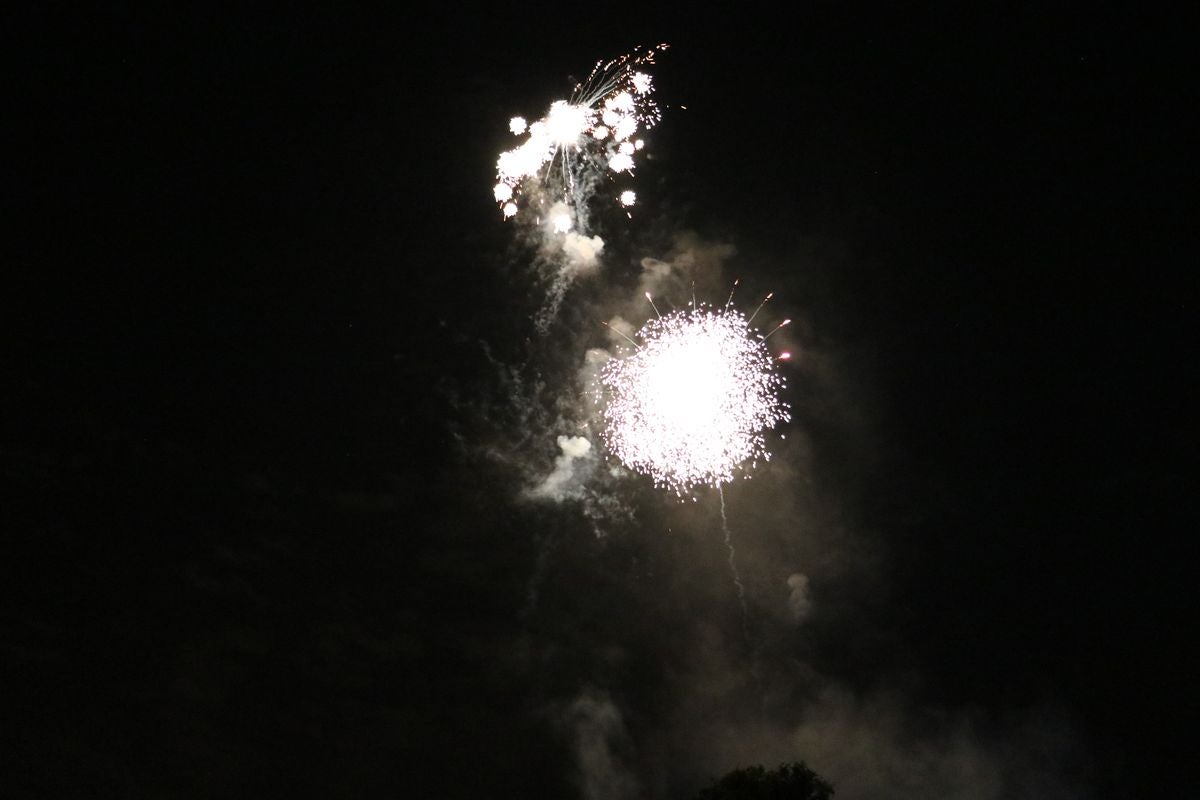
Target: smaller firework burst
<point>582,141</point>
<point>690,404</point>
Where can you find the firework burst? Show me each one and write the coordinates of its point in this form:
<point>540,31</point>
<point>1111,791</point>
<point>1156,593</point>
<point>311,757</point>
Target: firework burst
<point>690,404</point>
<point>582,141</point>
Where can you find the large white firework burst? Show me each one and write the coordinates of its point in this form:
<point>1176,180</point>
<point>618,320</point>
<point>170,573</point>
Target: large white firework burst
<point>690,404</point>
<point>581,141</point>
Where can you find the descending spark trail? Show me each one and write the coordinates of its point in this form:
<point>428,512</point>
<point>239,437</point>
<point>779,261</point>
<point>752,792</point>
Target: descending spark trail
<point>570,150</point>
<point>690,404</point>
<point>737,578</point>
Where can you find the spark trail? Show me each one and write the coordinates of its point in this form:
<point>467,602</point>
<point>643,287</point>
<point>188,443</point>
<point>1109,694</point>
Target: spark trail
<point>690,404</point>
<point>737,578</point>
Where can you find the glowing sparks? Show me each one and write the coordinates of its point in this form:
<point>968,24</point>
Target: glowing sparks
<point>580,140</point>
<point>566,123</point>
<point>621,162</point>
<point>691,404</point>
<point>628,198</point>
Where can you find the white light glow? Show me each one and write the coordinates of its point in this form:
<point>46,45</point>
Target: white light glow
<point>565,152</point>
<point>620,163</point>
<point>690,405</point>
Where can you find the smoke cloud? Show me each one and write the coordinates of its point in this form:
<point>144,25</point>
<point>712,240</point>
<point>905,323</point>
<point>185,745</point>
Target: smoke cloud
<point>599,738</point>
<point>881,745</point>
<point>571,469</point>
<point>799,603</point>
<point>652,611</point>
<point>582,252</point>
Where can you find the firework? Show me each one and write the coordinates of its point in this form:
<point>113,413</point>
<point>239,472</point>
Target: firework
<point>570,151</point>
<point>690,404</point>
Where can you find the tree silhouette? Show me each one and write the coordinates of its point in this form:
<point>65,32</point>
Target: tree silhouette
<point>793,781</point>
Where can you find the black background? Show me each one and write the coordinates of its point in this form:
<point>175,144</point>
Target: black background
<point>251,264</point>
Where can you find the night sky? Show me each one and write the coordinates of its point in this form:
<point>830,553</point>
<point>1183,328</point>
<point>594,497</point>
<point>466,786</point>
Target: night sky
<point>275,410</point>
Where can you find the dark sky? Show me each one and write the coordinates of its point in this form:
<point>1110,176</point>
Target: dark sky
<point>275,400</point>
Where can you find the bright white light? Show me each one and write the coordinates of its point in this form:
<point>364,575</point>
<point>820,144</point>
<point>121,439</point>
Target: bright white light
<point>563,153</point>
<point>509,210</point>
<point>628,198</point>
<point>620,163</point>
<point>566,123</point>
<point>621,101</point>
<point>625,128</point>
<point>639,144</point>
<point>691,404</point>
<point>562,223</point>
<point>523,162</point>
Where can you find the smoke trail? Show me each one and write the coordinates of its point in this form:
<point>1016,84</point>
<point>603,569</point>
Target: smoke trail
<point>563,257</point>
<point>544,545</point>
<point>737,578</point>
